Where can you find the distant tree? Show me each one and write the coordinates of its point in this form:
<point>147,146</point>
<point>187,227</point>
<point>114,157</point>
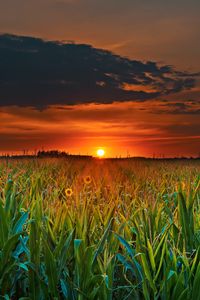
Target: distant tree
<point>52,153</point>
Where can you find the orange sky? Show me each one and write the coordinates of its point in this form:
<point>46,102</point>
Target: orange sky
<point>164,32</point>
<point>119,128</point>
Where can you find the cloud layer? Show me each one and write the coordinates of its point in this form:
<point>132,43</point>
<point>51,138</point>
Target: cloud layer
<point>39,73</point>
<point>118,127</point>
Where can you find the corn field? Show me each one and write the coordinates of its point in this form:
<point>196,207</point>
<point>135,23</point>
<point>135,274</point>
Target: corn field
<point>99,229</point>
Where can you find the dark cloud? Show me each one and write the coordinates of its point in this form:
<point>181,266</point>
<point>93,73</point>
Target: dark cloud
<point>39,73</point>
<point>179,108</point>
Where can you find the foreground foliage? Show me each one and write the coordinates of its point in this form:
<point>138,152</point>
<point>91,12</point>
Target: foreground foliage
<point>99,229</point>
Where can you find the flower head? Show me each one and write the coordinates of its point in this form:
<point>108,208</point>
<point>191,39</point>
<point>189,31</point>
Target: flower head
<point>87,180</point>
<point>68,192</point>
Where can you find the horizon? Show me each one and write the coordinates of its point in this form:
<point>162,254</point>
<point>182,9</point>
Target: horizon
<point>45,153</point>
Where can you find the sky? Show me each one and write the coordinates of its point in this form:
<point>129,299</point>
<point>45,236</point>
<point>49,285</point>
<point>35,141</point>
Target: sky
<point>123,75</point>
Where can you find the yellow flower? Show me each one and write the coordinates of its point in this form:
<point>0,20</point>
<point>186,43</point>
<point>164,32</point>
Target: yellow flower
<point>68,192</point>
<point>87,180</point>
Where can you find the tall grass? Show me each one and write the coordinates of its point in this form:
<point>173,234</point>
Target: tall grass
<point>126,230</point>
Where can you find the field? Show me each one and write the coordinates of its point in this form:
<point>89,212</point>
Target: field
<point>99,229</point>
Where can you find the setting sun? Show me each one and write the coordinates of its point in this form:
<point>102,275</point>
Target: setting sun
<point>100,152</point>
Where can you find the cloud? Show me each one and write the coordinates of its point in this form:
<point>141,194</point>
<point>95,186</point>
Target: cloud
<point>40,73</point>
<point>118,127</point>
<point>189,107</point>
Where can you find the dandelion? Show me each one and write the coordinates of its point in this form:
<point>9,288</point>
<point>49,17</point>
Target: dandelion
<point>87,180</point>
<point>68,192</point>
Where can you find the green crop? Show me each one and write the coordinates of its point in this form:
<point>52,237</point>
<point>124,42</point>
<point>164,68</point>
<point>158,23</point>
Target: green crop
<point>99,229</point>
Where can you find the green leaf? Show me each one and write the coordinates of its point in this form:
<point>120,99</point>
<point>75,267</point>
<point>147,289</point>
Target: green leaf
<point>128,248</point>
<point>151,256</point>
<point>51,270</point>
<point>20,223</point>
<point>103,240</point>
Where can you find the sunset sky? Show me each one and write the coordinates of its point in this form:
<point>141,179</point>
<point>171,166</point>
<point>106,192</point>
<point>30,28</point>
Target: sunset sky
<point>123,75</point>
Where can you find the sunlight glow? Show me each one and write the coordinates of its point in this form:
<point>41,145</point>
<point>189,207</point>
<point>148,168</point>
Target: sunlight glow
<point>100,152</point>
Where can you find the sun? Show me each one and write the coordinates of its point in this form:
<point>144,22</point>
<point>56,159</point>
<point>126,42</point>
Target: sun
<point>100,152</point>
